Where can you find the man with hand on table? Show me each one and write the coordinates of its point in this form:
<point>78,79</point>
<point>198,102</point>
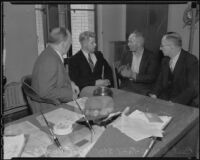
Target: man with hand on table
<point>50,77</point>
<point>88,67</point>
<point>179,72</point>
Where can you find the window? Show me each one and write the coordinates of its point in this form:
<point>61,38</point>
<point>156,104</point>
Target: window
<point>82,19</point>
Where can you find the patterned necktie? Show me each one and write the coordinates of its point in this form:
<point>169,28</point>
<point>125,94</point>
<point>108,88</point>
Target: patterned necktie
<point>90,62</point>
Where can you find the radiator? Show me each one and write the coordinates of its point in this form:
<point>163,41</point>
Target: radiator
<point>13,96</point>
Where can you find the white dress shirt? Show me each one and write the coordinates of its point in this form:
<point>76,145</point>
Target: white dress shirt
<point>93,57</point>
<point>60,55</point>
<point>136,60</point>
<point>173,61</point>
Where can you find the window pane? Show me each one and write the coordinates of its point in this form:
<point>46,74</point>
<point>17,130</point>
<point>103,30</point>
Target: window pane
<point>80,21</point>
<point>82,6</point>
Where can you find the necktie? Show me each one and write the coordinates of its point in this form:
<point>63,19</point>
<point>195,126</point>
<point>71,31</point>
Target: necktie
<point>171,65</point>
<point>90,62</point>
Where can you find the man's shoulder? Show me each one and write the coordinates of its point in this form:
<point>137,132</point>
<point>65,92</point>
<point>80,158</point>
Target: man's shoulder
<point>189,56</point>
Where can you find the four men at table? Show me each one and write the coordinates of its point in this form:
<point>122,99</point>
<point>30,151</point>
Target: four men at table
<point>138,69</point>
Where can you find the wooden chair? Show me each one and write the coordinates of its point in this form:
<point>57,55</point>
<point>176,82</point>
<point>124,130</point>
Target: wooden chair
<point>33,96</point>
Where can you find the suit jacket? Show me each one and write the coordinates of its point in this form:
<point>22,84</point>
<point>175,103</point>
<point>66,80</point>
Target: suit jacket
<point>80,71</point>
<point>146,77</point>
<point>179,85</point>
<point>50,78</point>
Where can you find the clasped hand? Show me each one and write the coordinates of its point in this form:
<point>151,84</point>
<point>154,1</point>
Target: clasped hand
<point>102,82</point>
<point>126,71</point>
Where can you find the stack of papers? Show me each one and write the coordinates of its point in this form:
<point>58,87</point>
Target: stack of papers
<point>140,125</point>
<point>13,146</point>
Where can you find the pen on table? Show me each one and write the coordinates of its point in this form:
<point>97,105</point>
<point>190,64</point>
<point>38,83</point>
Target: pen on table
<point>84,116</point>
<point>52,134</point>
<point>102,75</point>
<point>150,147</point>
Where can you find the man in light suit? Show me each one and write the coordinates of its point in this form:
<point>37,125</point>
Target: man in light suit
<point>88,67</point>
<point>178,78</point>
<point>49,77</point>
<point>139,67</point>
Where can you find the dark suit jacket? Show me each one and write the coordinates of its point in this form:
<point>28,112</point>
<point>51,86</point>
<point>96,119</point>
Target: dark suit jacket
<point>50,78</point>
<point>80,71</point>
<point>146,77</point>
<point>181,87</point>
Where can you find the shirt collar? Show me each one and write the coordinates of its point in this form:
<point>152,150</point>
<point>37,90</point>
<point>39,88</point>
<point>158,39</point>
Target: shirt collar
<point>60,55</point>
<point>175,58</point>
<point>139,54</point>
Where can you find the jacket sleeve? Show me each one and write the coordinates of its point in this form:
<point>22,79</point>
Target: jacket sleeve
<point>189,93</point>
<point>47,82</point>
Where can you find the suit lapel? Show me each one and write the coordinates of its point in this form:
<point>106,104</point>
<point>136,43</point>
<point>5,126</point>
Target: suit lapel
<point>84,60</point>
<point>178,65</point>
<point>143,62</point>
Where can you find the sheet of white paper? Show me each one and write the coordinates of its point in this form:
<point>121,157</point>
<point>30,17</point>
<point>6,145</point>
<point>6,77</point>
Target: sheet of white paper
<point>59,115</point>
<point>81,102</point>
<point>136,129</point>
<point>37,144</point>
<point>20,128</point>
<point>141,116</point>
<point>13,146</point>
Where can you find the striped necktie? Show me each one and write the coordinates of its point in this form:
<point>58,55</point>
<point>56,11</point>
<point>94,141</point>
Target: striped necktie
<point>90,62</point>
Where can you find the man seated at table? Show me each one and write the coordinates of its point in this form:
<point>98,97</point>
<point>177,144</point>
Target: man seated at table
<point>49,76</point>
<point>88,67</point>
<point>179,72</point>
<point>139,67</point>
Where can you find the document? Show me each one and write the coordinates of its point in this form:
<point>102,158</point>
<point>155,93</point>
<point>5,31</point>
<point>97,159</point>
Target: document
<point>20,128</point>
<point>13,146</point>
<point>136,128</point>
<point>60,115</point>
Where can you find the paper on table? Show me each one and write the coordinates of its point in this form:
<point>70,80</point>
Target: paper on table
<point>141,115</point>
<point>37,144</point>
<point>136,128</point>
<point>58,116</point>
<point>20,128</point>
<point>13,146</point>
<point>81,102</point>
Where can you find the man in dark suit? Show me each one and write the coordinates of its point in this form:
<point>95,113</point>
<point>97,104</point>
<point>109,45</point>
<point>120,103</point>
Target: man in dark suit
<point>179,72</point>
<point>88,67</point>
<point>49,77</point>
<point>139,67</point>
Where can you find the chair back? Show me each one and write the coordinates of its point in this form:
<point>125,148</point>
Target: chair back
<point>31,93</point>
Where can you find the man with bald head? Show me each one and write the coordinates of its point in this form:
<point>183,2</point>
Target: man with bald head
<point>50,77</point>
<point>178,78</point>
<point>139,66</point>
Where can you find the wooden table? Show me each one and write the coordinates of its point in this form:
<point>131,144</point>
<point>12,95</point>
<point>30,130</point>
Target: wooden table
<point>185,121</point>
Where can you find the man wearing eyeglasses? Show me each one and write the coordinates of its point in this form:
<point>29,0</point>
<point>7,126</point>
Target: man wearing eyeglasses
<point>179,72</point>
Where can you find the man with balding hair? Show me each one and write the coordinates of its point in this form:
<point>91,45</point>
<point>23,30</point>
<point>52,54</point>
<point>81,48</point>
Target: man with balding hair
<point>49,77</point>
<point>139,67</point>
<point>88,67</point>
<point>178,78</point>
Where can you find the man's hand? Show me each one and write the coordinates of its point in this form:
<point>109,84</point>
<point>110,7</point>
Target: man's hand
<point>102,82</point>
<point>152,95</point>
<point>75,90</point>
<point>126,72</point>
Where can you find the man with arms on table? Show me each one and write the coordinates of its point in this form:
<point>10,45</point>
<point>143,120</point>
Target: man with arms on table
<point>179,72</point>
<point>49,77</point>
<point>88,67</point>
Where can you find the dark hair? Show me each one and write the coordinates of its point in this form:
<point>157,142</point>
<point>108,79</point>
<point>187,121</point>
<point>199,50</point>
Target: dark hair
<point>174,37</point>
<point>86,35</point>
<point>57,35</point>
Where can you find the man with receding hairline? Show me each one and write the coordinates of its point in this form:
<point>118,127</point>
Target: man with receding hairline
<point>49,77</point>
<point>179,72</point>
<point>139,66</point>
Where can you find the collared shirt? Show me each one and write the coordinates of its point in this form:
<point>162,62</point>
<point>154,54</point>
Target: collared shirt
<point>136,60</point>
<point>93,57</point>
<point>173,61</point>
